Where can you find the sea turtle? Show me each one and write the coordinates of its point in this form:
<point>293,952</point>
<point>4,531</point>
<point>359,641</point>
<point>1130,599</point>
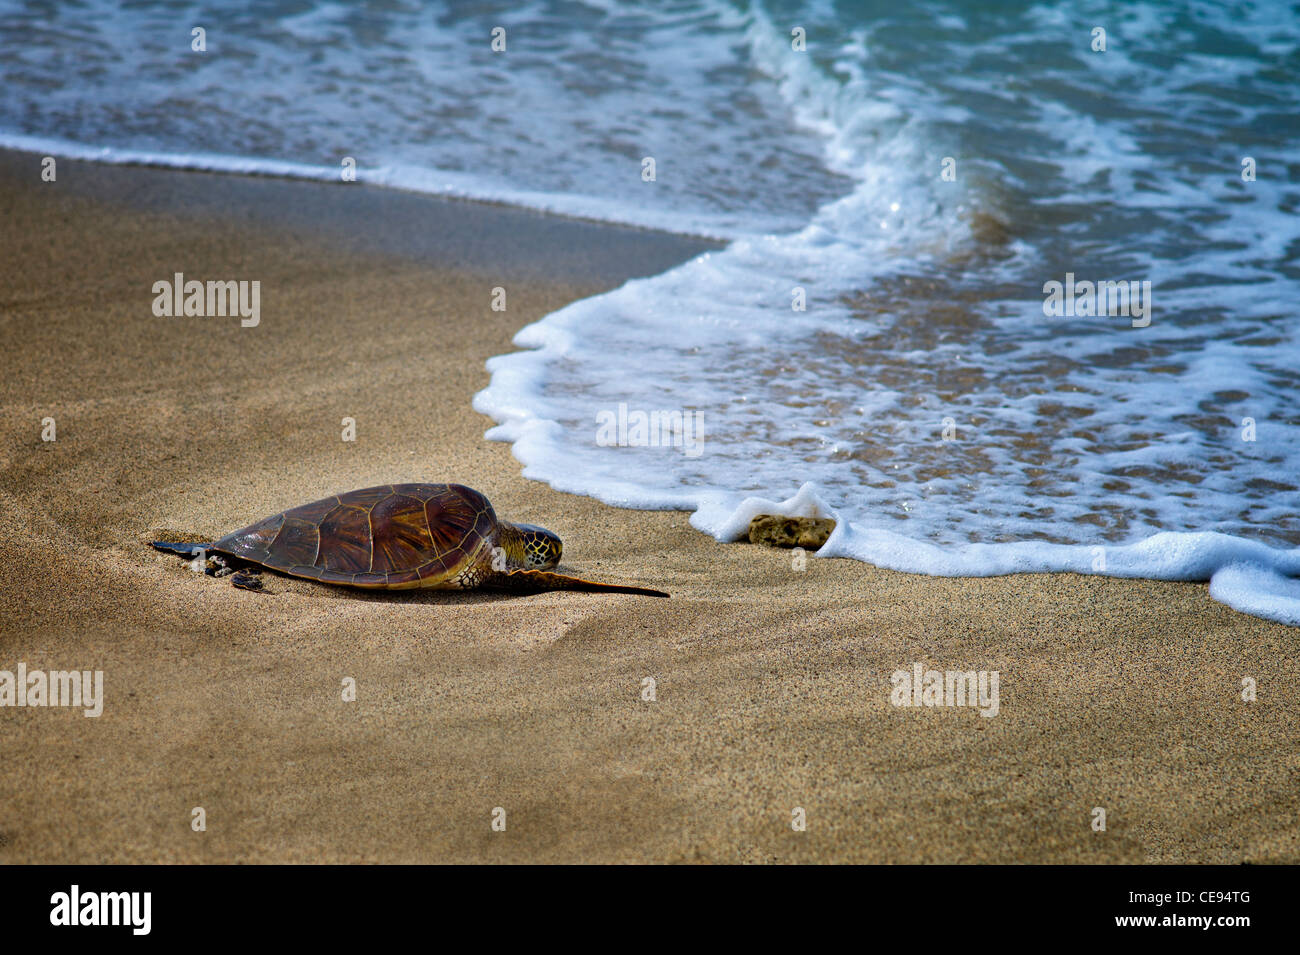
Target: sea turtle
<point>396,537</point>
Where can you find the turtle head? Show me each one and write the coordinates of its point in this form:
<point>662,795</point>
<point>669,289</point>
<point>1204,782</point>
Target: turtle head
<point>531,547</point>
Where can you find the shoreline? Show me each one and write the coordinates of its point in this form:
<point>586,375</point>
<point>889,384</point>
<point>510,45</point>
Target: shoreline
<point>772,684</point>
<point>287,171</point>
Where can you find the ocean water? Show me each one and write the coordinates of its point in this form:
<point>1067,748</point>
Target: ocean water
<point>896,184</point>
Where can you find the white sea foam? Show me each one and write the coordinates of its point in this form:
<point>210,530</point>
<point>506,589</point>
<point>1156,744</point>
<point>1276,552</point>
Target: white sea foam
<point>435,182</point>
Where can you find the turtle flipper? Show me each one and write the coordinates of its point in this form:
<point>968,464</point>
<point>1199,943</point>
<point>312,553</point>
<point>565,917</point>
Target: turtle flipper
<point>532,581</point>
<point>184,550</point>
<point>246,580</point>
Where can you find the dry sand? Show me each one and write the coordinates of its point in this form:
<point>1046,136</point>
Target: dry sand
<point>772,684</point>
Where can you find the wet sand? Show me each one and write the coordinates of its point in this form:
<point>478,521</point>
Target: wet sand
<point>772,684</point>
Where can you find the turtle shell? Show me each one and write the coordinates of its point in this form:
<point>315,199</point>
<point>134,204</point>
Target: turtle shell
<point>395,536</point>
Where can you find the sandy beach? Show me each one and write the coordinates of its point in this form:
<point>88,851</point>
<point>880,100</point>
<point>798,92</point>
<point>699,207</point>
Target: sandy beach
<point>772,684</point>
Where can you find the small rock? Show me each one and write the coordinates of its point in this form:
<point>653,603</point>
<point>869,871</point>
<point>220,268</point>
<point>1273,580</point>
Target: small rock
<point>776,531</point>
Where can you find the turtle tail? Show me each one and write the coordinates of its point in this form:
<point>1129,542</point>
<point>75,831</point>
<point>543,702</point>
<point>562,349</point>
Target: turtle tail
<point>184,550</point>
<point>532,581</point>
